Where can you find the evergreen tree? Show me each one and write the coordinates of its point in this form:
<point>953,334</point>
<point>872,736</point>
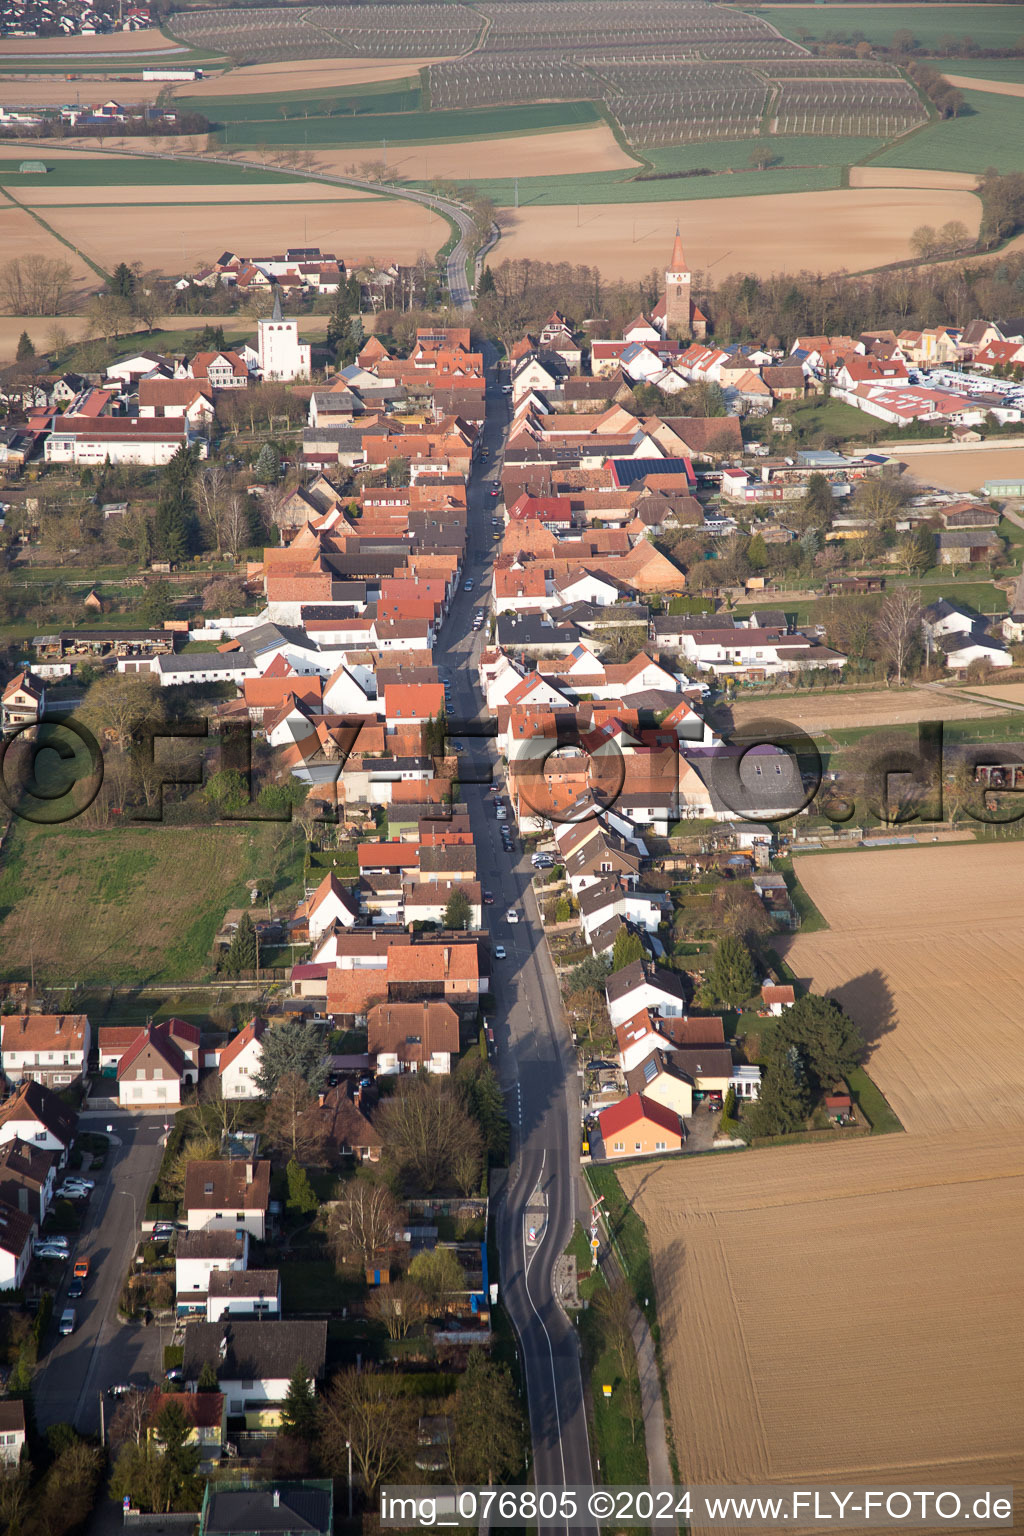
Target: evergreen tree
<point>122,282</point>
<point>210,339</point>
<point>784,1101</point>
<point>178,1473</point>
<point>299,1410</point>
<point>243,955</point>
<point>351,344</point>
<point>826,1038</point>
<point>291,1047</point>
<point>26,349</point>
<point>627,948</point>
<point>490,1431</point>
<point>208,1378</point>
<point>730,976</point>
<point>486,284</point>
<point>478,1084</point>
<point>176,527</point>
<point>757,553</point>
<point>301,1194</point>
<point>268,464</point>
<point>458,912</point>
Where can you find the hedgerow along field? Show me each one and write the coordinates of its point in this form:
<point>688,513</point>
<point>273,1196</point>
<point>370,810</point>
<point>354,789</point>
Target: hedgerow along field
<point>137,903</point>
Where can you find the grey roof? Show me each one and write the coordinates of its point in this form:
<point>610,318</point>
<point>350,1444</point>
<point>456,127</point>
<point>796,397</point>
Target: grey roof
<point>966,538</point>
<point>659,1063</point>
<point>703,1061</point>
<point>532,629</point>
<point>621,983</point>
<point>209,1245</point>
<point>266,1350</point>
<point>244,1282</point>
<point>281,1509</point>
<point>686,624</point>
<point>227,662</point>
<point>596,613</point>
<point>766,779</point>
<point>263,637</point>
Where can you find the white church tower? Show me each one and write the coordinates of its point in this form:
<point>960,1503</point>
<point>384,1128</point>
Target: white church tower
<point>281,355</point>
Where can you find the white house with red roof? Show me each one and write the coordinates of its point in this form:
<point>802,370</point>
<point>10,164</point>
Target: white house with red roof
<point>330,903</point>
<point>239,1062</point>
<point>151,1070</point>
<point>50,1048</point>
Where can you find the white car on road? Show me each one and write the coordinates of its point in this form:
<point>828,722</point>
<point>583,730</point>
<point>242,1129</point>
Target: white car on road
<point>512,916</point>
<point>499,951</point>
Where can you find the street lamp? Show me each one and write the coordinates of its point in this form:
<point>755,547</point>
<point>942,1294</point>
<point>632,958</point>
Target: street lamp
<point>348,1447</point>
<point>135,1213</point>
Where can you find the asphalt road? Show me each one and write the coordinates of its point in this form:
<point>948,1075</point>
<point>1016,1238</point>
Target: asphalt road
<point>535,1059</point>
<point>74,1371</point>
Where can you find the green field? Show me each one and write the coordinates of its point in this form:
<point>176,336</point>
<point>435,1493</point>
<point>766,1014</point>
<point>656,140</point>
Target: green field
<point>280,106</point>
<point>734,154</point>
<point>990,26</point>
<point>373,130</point>
<point>990,135</point>
<point>617,187</point>
<point>118,171</point>
<point>1011,70</point>
<point>133,904</point>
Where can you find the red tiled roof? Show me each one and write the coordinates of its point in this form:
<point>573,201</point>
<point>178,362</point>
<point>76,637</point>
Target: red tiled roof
<point>619,1117</point>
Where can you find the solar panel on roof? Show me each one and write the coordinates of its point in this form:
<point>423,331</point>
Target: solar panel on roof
<point>650,1071</point>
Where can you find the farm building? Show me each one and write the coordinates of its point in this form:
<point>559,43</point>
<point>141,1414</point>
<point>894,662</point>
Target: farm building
<point>32,168</point>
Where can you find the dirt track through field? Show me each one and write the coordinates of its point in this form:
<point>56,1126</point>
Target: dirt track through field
<point>895,176</point>
<point>816,231</point>
<point>997,87</point>
<point>839,1312</point>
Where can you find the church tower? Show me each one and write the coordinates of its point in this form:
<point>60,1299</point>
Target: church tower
<point>678,305</point>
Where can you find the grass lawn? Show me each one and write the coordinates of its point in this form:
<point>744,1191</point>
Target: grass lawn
<point>871,1104</point>
<point>990,26</point>
<point>984,137</point>
<point>314,1285</point>
<point>821,416</point>
<point>414,127</point>
<point>630,1236</point>
<point>131,904</point>
<point>119,171</point>
<point>811,920</point>
<point>579,1247</point>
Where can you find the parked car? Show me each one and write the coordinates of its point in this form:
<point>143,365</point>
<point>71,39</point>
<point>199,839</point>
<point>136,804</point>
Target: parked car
<point>68,1319</point>
<point>57,1240</point>
<point>174,1373</point>
<point>48,1251</point>
<point>512,916</point>
<point>120,1389</point>
<point>467,586</point>
<point>488,898</point>
<point>76,1289</point>
<point>81,1270</point>
<point>499,951</point>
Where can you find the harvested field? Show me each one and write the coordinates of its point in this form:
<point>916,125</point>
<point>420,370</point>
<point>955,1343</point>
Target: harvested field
<point>1009,693</point>
<point>895,1257</point>
<point>965,468</point>
<point>997,87</point>
<point>301,75</point>
<point>143,196</point>
<point>824,231</point>
<point>566,152</point>
<point>935,983</point>
<point>152,40</point>
<point>22,235</point>
<point>180,233</point>
<point>895,176</point>
<point>48,91</point>
<point>843,711</point>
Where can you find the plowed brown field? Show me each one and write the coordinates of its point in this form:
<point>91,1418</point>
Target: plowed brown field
<point>840,1312</point>
<point>925,951</point>
<point>842,711</point>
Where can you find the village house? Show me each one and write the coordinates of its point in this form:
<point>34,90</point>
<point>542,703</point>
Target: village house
<point>24,703</point>
<point>640,986</point>
<point>206,1417</point>
<point>17,1229</point>
<point>49,1048</point>
<point>227,1196</point>
<point>12,1430</point>
<point>36,1115</point>
<point>238,1063</point>
<point>639,1127</point>
<point>27,1177</point>
<point>254,1362</point>
<point>197,1256</point>
<point>252,1293</point>
<point>413,1037</point>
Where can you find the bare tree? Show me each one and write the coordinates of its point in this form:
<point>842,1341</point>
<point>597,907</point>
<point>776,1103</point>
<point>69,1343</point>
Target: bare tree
<point>235,529</point>
<point>116,706</point>
<point>135,1411</point>
<point>615,1305</point>
<point>212,493</point>
<point>35,285</point>
<point>399,1307</point>
<point>898,627</point>
<point>293,1122</point>
<point>367,1410</point>
<point>361,1228</point>
<point>426,1131</point>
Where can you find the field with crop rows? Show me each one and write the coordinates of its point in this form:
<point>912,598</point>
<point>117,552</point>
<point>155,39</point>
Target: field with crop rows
<point>122,171</point>
<point>864,108</point>
<point>982,26</point>
<point>381,130</point>
<point>386,30</point>
<point>834,69</point>
<point>733,155</point>
<point>1010,70</point>
<point>596,26</point>
<point>990,135</point>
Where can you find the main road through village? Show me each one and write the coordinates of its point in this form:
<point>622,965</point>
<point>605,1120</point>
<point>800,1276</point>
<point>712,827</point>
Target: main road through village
<point>536,1061</point>
<point>538,1072</point>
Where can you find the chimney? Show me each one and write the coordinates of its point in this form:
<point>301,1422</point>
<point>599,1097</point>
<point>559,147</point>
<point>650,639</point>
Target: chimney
<point>250,1169</point>
<point>277,1499</point>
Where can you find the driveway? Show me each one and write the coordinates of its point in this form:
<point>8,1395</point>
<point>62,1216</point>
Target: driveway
<point>75,1371</point>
